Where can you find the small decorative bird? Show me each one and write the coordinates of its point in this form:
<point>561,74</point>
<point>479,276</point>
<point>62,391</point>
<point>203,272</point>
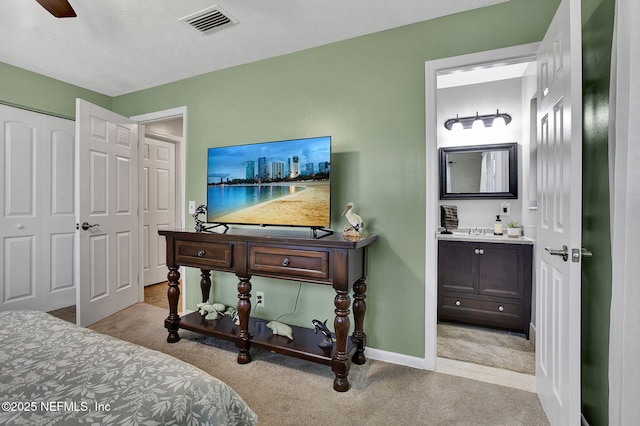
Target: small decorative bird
<point>354,220</point>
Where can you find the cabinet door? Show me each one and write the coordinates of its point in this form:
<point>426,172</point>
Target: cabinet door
<point>457,267</point>
<point>501,270</point>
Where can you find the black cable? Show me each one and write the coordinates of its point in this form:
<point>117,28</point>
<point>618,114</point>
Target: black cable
<point>295,307</point>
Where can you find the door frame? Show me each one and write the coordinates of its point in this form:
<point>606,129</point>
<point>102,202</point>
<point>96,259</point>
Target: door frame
<point>181,150</point>
<point>432,68</point>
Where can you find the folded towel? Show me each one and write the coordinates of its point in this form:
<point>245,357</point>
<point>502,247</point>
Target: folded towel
<point>449,217</point>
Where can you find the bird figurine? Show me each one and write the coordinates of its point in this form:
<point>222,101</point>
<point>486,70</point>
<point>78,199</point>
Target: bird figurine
<point>326,341</point>
<point>356,225</point>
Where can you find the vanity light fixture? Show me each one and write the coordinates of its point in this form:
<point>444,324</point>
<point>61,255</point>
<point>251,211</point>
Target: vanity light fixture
<point>487,120</point>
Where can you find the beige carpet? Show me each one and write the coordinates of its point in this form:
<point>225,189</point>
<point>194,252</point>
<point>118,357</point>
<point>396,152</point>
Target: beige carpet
<point>493,348</point>
<point>155,294</point>
<point>288,391</point>
<point>67,314</point>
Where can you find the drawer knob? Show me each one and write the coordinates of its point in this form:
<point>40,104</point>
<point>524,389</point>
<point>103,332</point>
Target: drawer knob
<point>285,261</point>
<point>500,308</point>
<point>477,251</point>
<point>201,253</point>
<point>458,303</point>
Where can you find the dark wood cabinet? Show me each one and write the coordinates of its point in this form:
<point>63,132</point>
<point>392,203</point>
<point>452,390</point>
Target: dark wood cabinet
<point>486,284</point>
<point>331,261</point>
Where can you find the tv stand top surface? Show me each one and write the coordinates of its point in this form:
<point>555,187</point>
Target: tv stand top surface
<point>296,237</point>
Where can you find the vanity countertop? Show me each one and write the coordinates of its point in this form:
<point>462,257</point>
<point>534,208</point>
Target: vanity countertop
<point>486,238</point>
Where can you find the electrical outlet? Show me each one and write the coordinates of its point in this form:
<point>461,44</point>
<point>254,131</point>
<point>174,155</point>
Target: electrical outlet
<point>260,298</point>
<point>192,207</point>
<point>505,209</point>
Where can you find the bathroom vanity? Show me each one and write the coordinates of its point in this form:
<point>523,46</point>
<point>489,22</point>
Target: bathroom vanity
<point>485,280</point>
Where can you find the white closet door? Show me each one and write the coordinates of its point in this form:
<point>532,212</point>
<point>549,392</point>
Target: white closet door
<point>37,227</point>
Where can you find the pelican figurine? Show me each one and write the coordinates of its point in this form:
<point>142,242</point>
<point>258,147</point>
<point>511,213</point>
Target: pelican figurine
<point>354,220</point>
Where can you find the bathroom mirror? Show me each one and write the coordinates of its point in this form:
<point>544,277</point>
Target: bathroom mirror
<point>479,171</point>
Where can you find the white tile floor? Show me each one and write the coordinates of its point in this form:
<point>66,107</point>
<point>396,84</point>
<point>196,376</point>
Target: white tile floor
<point>482,373</point>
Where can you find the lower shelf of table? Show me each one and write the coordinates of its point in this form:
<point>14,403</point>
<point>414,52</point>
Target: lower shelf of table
<point>304,344</point>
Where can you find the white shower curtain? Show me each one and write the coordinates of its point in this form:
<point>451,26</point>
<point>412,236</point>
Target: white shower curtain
<point>494,171</point>
<point>624,171</point>
<point>486,173</point>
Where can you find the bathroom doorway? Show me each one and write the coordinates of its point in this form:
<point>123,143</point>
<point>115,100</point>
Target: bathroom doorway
<point>485,83</point>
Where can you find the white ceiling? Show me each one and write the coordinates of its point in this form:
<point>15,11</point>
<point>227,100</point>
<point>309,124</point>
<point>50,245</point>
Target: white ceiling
<point>483,74</point>
<point>120,46</point>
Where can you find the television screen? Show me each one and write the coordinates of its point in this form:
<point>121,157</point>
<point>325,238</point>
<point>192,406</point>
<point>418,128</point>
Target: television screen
<point>272,183</point>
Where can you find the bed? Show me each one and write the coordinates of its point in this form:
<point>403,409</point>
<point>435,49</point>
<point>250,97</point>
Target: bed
<point>54,372</point>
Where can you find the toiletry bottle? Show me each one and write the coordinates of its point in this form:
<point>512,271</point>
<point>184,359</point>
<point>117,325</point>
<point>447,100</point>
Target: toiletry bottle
<point>497,227</point>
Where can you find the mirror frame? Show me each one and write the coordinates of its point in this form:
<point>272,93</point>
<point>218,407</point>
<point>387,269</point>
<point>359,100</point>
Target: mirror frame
<point>511,148</point>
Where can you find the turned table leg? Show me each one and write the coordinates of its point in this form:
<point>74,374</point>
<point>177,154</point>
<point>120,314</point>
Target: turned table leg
<point>359,309</point>
<point>244,308</point>
<point>341,363</point>
<point>173,294</point>
<point>205,284</point>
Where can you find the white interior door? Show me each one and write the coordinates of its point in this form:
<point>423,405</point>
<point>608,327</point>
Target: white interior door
<point>159,201</point>
<point>37,229</point>
<point>559,223</point>
<point>108,258</point>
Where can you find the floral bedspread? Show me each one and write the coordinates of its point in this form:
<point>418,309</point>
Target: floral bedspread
<point>54,372</point>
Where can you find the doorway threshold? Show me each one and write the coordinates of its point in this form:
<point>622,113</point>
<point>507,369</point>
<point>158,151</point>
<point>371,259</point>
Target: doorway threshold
<point>496,376</point>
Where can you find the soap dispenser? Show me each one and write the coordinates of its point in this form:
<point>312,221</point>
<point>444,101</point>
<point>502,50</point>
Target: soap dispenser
<point>497,227</point>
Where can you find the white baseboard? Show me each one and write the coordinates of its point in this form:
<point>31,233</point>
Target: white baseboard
<point>462,369</point>
<point>394,358</point>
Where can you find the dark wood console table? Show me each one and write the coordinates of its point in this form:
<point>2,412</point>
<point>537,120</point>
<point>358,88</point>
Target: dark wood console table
<point>287,255</point>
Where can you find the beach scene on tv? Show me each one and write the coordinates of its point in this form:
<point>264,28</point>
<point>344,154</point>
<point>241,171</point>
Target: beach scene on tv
<point>271,183</point>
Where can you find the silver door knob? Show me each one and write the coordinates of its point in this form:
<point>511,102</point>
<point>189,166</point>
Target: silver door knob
<point>564,252</point>
<point>85,226</point>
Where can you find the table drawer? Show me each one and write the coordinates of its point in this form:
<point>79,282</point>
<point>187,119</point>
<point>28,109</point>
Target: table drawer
<point>204,254</point>
<point>290,262</point>
<point>481,311</point>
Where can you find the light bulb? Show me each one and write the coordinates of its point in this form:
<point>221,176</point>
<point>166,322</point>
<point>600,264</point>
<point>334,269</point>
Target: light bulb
<point>499,121</point>
<point>477,123</point>
<point>457,125</point>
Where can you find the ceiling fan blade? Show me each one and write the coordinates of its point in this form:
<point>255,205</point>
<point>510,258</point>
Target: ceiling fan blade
<point>58,8</point>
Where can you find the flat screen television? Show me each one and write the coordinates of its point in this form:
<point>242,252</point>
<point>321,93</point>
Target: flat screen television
<point>279,183</point>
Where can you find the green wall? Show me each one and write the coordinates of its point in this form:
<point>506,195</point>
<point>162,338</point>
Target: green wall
<point>25,89</point>
<point>368,93</point>
<point>597,33</point>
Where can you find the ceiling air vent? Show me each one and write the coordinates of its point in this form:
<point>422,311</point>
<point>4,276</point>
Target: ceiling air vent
<point>210,20</point>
